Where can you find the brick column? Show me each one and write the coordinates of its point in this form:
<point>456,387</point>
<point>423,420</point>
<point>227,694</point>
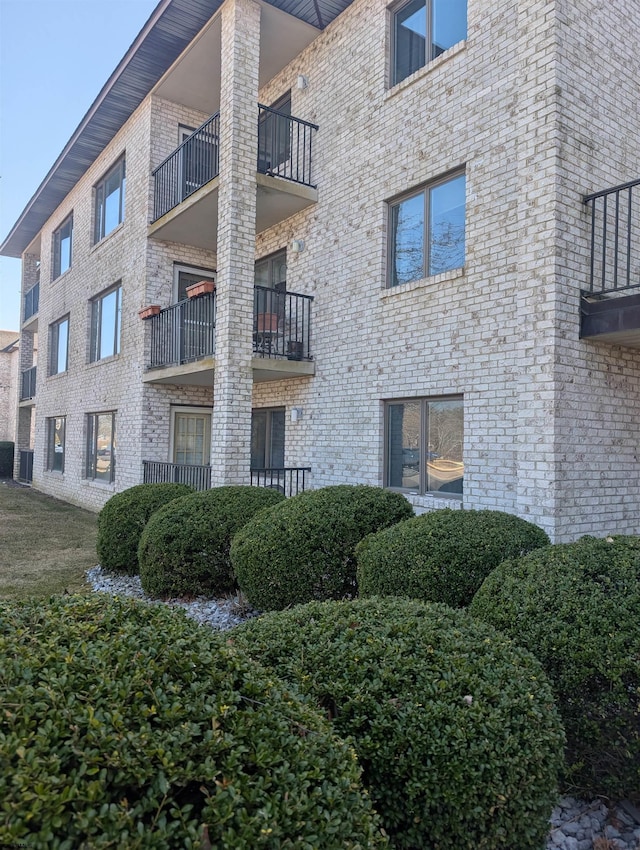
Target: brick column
<point>233,379</point>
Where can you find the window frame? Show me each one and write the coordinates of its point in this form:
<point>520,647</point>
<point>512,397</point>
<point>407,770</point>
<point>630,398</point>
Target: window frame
<point>91,459</point>
<point>95,340</point>
<point>51,431</point>
<point>56,267</point>
<point>99,221</point>
<point>54,347</point>
<point>190,410</point>
<point>394,11</point>
<point>424,402</point>
<point>425,190</point>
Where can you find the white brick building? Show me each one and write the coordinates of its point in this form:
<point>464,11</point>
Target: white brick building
<point>401,252</point>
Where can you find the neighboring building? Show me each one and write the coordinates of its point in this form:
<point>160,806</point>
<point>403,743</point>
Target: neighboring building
<point>8,384</point>
<point>400,247</point>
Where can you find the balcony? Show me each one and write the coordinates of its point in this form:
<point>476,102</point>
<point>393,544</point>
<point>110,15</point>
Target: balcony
<point>31,303</point>
<point>289,480</point>
<point>28,384</point>
<point>186,183</point>
<point>610,306</point>
<point>183,339</point>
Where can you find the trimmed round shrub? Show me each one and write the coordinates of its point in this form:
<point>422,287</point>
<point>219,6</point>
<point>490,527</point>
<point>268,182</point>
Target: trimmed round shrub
<point>184,549</point>
<point>453,724</point>
<point>129,726</point>
<point>577,607</point>
<point>303,549</point>
<point>442,556</point>
<point>123,518</point>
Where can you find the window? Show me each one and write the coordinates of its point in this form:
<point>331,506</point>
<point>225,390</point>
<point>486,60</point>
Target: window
<point>56,427</point>
<point>267,438</point>
<point>59,346</point>
<point>184,276</point>
<point>191,436</point>
<point>422,30</point>
<point>423,445</point>
<point>427,231</point>
<point>110,201</point>
<point>101,446</point>
<point>105,324</point>
<point>62,244</point>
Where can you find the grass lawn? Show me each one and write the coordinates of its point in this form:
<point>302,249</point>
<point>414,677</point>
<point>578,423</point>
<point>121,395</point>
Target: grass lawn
<point>45,544</point>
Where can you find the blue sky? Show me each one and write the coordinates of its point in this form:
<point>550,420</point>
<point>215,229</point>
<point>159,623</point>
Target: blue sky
<point>55,56</point>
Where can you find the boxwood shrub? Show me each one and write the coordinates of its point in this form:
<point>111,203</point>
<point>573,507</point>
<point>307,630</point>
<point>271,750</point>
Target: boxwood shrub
<point>577,607</point>
<point>184,549</point>
<point>123,518</point>
<point>454,725</point>
<point>303,549</point>
<point>442,556</point>
<point>126,725</point>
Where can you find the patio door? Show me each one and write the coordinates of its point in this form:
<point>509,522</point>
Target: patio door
<point>191,437</point>
<point>267,438</point>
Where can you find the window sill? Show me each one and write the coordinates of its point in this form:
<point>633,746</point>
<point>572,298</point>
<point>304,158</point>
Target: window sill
<point>109,235</point>
<point>425,70</point>
<point>433,501</point>
<point>433,280</point>
<point>102,485</point>
<point>60,276</point>
<point>108,359</point>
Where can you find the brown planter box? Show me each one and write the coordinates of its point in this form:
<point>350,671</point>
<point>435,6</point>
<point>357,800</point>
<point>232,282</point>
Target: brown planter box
<point>203,287</point>
<point>149,312</point>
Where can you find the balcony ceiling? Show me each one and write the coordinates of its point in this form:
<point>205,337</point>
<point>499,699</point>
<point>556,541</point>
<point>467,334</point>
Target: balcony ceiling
<point>173,25</point>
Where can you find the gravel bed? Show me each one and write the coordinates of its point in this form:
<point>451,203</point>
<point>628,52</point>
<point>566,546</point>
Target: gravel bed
<point>575,824</point>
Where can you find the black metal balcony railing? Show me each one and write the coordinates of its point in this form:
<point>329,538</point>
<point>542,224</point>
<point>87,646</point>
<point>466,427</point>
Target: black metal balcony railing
<point>289,480</point>
<point>184,332</point>
<point>155,472</point>
<point>281,324</point>
<point>284,150</point>
<point>31,301</point>
<point>615,239</point>
<point>285,145</point>
<point>28,385</point>
<point>189,167</point>
<point>25,473</point>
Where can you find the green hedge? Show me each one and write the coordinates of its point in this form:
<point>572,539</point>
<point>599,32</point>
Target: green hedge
<point>442,556</point>
<point>577,607</point>
<point>7,449</point>
<point>184,550</point>
<point>123,518</point>
<point>128,726</point>
<point>454,725</point>
<point>303,549</point>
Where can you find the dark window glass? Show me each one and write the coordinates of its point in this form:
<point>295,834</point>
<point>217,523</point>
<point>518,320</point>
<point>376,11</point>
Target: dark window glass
<point>424,444</point>
<point>62,246</point>
<point>56,443</point>
<point>101,446</point>
<point>59,351</point>
<point>110,201</point>
<point>437,23</point>
<point>106,317</point>
<point>267,438</point>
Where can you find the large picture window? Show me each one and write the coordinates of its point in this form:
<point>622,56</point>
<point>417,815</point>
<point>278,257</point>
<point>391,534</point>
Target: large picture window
<point>110,201</point>
<point>427,231</point>
<point>101,446</point>
<point>422,30</point>
<point>59,346</point>
<point>56,427</point>
<point>423,445</point>
<point>62,247</point>
<point>106,311</point>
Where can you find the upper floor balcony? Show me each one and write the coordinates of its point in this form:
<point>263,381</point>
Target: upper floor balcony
<point>610,305</point>
<point>30,307</point>
<point>183,339</point>
<point>186,183</point>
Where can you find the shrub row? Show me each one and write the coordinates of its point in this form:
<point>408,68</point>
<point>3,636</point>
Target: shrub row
<point>126,725</point>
